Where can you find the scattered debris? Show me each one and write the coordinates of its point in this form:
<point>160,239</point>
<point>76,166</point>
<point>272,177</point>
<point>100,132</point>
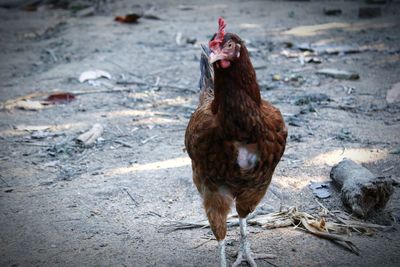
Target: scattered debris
<point>131,197</point>
<point>129,18</point>
<point>186,7</point>
<point>88,138</point>
<point>310,98</point>
<point>395,151</point>
<point>393,94</point>
<point>144,141</point>
<point>345,135</point>
<point>31,128</point>
<point>123,143</point>
<point>320,189</point>
<point>339,74</point>
<point>321,227</point>
<point>332,11</point>
<point>295,121</point>
<point>315,60</point>
<point>276,77</point>
<point>32,105</point>
<point>296,138</point>
<point>151,16</point>
<point>181,40</point>
<point>60,98</point>
<point>369,12</point>
<point>361,191</point>
<point>93,75</point>
<point>308,109</point>
<point>86,12</point>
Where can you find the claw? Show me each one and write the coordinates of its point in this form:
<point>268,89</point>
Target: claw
<point>251,258</point>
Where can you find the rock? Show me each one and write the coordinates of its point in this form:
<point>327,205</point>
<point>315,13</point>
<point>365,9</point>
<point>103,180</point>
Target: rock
<point>276,77</point>
<point>361,191</point>
<point>393,94</point>
<point>320,189</point>
<point>369,12</point>
<point>339,74</point>
<point>332,11</point>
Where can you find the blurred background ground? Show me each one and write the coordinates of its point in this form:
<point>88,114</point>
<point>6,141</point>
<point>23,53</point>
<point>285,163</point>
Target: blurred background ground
<point>61,204</point>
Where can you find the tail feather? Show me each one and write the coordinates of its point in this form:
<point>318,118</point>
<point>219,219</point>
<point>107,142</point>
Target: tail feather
<point>206,82</point>
<point>206,70</point>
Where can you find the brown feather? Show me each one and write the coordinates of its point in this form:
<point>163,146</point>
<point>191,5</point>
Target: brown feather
<point>233,114</point>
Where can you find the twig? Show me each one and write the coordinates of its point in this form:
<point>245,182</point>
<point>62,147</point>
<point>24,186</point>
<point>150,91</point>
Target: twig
<point>123,143</point>
<point>52,54</point>
<point>202,243</point>
<point>123,68</point>
<point>4,181</point>
<point>270,263</point>
<point>148,139</point>
<point>388,169</point>
<point>165,85</point>
<point>100,91</point>
<point>154,213</point>
<point>131,197</point>
<point>162,70</point>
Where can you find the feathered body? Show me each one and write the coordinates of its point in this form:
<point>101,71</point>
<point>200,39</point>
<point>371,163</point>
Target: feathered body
<point>234,138</point>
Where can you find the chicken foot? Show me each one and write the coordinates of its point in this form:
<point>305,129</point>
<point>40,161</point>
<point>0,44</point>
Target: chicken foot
<point>245,253</point>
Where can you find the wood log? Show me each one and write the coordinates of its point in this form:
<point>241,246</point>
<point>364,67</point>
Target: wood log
<point>361,191</point>
<point>88,138</point>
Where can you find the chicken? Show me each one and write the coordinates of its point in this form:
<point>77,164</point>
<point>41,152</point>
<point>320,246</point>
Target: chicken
<point>234,138</point>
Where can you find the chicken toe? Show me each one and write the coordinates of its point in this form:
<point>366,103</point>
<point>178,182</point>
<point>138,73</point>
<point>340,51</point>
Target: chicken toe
<point>245,253</point>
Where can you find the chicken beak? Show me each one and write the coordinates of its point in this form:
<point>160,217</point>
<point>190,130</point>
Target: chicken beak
<point>214,57</point>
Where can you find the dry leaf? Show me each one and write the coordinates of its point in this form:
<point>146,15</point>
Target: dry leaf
<point>60,98</point>
<point>93,75</point>
<point>129,18</point>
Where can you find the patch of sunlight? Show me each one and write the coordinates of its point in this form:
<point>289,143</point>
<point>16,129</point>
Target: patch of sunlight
<point>22,129</point>
<point>156,120</point>
<point>173,101</point>
<point>249,26</point>
<point>158,165</point>
<point>359,155</point>
<point>296,183</point>
<point>329,41</point>
<point>311,30</point>
<point>127,112</point>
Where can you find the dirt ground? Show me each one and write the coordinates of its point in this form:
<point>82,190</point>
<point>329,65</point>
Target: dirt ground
<point>106,205</point>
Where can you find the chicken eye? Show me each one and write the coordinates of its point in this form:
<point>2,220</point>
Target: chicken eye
<point>230,45</point>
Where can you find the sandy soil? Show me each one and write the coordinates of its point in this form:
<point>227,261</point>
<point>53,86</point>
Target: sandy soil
<point>106,205</point>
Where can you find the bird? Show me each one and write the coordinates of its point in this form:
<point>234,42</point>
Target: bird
<point>234,139</point>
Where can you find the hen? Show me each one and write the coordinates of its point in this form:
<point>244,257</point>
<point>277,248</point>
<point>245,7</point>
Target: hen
<point>234,138</point>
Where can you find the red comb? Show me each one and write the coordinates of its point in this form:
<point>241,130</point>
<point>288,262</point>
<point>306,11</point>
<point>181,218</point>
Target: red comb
<point>220,34</point>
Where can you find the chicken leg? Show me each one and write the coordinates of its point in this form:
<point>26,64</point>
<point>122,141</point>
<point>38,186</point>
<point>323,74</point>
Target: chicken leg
<point>222,254</point>
<point>245,253</point>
